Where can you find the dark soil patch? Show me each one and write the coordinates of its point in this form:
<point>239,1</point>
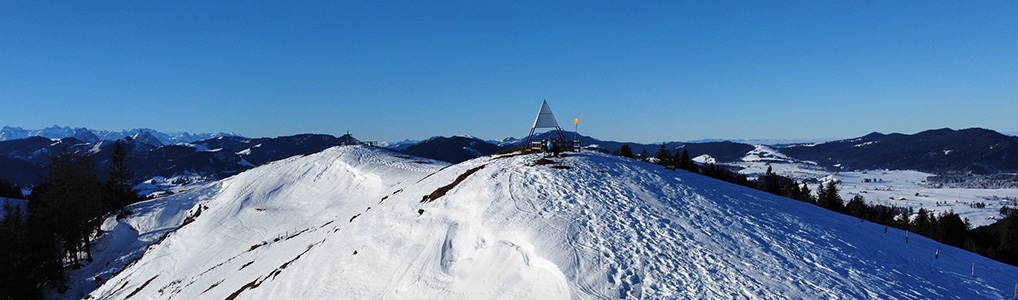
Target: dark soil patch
<point>543,161</point>
<point>255,246</point>
<point>445,189</point>
<point>214,285</point>
<point>272,275</point>
<point>135,292</point>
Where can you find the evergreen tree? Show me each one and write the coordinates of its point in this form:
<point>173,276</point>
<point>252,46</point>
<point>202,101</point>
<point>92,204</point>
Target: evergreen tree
<point>1008,249</point>
<point>903,219</point>
<point>856,207</point>
<point>827,197</point>
<point>922,223</point>
<point>643,155</point>
<point>663,156</point>
<point>687,163</point>
<point>677,160</point>
<point>769,182</point>
<point>15,270</point>
<point>118,190</point>
<point>805,195</point>
<point>64,214</point>
<point>626,151</point>
<point>951,229</point>
<point>10,190</point>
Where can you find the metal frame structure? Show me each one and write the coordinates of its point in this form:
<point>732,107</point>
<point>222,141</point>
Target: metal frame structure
<point>545,119</point>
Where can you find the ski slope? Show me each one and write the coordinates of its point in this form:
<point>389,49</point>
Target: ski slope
<point>354,222</point>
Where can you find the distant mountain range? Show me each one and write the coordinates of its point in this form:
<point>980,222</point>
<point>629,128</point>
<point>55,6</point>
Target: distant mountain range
<point>23,161</point>
<point>973,150</point>
<point>92,135</point>
<point>177,157</point>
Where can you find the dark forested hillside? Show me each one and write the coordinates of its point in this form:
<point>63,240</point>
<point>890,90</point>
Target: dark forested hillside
<point>973,150</point>
<point>452,149</point>
<point>23,161</point>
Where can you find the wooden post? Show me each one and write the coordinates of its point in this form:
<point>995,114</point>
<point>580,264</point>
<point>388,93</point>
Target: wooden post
<point>973,269</point>
<point>1015,291</point>
<point>885,229</point>
<point>906,236</point>
<point>938,254</point>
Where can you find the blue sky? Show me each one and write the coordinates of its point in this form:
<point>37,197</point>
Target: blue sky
<point>646,72</point>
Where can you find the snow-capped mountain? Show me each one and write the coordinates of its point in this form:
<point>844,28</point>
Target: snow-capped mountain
<point>355,222</point>
<point>92,135</point>
<point>146,137</point>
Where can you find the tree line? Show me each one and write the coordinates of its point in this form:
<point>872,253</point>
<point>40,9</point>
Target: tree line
<point>998,241</point>
<point>63,218</point>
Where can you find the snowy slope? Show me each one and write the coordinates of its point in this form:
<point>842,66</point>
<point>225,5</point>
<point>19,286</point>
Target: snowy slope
<point>349,223</point>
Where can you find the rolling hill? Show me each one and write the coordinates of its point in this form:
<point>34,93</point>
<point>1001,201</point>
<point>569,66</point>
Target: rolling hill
<point>357,222</point>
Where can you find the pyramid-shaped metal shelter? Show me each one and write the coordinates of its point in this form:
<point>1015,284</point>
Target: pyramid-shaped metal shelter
<point>545,119</point>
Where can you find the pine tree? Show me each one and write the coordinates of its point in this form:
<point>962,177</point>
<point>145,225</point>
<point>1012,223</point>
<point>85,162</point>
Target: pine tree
<point>643,155</point>
<point>663,156</point>
<point>856,207</point>
<point>827,197</point>
<point>687,163</point>
<point>10,190</point>
<point>922,224</point>
<point>951,229</point>
<point>626,151</point>
<point>64,214</point>
<point>677,160</point>
<point>805,195</point>
<point>769,183</point>
<point>15,282</point>
<point>1008,249</point>
<point>118,191</point>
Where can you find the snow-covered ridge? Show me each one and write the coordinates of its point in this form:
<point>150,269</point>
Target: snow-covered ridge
<point>354,222</point>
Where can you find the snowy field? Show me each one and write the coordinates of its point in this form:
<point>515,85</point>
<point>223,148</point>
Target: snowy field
<point>355,222</point>
<point>886,187</point>
<point>908,189</point>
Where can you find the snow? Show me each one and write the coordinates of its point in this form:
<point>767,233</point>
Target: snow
<point>473,151</point>
<point>96,148</point>
<point>904,186</point>
<point>161,186</point>
<point>349,222</point>
<point>765,153</point>
<point>197,147</point>
<point>244,162</point>
<point>886,187</point>
<point>704,159</point>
